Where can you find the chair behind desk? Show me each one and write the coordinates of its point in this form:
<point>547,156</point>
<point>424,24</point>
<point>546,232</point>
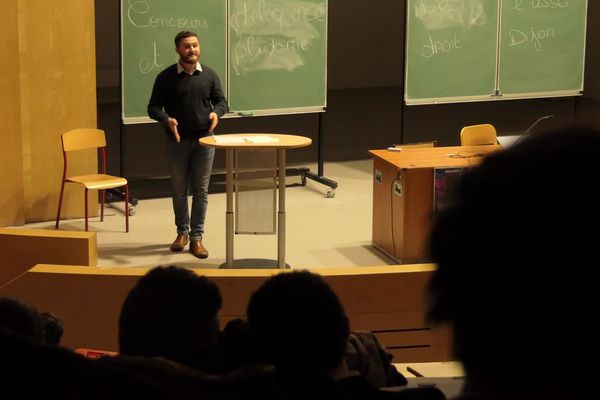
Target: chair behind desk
<point>476,135</point>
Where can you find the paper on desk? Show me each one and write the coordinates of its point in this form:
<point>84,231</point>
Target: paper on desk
<point>245,139</point>
<point>228,139</point>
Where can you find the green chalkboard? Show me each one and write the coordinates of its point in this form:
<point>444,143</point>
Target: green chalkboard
<point>269,54</point>
<point>542,46</point>
<point>451,49</point>
<point>148,28</point>
<point>278,55</point>
<point>462,50</point>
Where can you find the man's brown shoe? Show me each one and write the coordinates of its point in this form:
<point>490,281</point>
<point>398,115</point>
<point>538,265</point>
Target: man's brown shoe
<point>180,241</point>
<point>197,249</point>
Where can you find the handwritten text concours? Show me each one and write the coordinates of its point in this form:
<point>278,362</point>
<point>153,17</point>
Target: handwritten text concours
<point>139,15</point>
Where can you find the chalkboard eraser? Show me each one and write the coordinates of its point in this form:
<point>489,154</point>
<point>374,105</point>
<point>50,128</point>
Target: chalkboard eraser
<point>245,114</point>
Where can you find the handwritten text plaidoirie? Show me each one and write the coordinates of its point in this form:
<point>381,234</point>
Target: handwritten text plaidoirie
<point>273,34</point>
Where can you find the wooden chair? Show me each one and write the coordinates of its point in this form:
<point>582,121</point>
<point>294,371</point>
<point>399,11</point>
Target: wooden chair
<point>475,135</point>
<point>81,139</point>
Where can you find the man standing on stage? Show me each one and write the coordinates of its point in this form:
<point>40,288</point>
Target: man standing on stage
<point>188,100</point>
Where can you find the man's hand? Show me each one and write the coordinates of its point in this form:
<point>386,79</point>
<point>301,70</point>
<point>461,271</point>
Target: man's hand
<point>173,125</point>
<point>215,120</point>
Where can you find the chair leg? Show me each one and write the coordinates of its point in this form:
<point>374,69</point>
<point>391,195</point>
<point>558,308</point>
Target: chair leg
<point>86,209</point>
<point>102,200</point>
<point>126,208</point>
<point>62,189</point>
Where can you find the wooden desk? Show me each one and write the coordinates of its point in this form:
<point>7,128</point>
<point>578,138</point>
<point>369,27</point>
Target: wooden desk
<point>282,143</point>
<point>403,191</point>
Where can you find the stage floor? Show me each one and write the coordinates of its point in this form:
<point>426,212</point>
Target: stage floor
<point>321,232</point>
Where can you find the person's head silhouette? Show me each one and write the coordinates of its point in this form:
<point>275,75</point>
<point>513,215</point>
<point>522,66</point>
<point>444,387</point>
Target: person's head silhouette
<point>517,256</point>
<point>299,321</point>
<point>172,312</point>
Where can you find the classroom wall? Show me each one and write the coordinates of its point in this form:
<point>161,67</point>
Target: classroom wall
<point>588,108</point>
<point>11,155</point>
<point>592,59</point>
<point>364,105</point>
<point>365,110</point>
<point>51,85</point>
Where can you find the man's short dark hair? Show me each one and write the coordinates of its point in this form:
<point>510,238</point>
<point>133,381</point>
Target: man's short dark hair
<point>171,312</point>
<point>21,317</point>
<point>299,321</point>
<point>184,34</point>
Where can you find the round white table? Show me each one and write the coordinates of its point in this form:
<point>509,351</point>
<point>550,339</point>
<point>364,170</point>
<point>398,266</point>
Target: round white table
<point>251,141</point>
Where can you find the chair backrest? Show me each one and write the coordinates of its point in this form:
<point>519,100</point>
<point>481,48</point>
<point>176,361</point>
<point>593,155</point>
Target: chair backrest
<point>475,135</point>
<point>81,139</point>
<point>416,145</point>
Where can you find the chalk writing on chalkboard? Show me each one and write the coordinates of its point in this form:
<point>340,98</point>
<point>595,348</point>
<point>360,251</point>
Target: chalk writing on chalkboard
<point>442,14</point>
<point>534,37</point>
<point>142,16</point>
<point>463,50</point>
<point>437,15</point>
<point>139,14</point>
<point>273,34</point>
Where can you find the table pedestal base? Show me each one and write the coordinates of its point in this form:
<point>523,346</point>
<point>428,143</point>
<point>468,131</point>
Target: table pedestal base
<point>253,263</point>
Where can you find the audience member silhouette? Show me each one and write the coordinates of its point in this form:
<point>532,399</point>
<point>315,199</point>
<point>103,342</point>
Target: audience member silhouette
<point>22,318</point>
<point>301,325</point>
<point>53,328</point>
<point>173,313</point>
<point>30,369</point>
<point>169,332</point>
<point>517,257</point>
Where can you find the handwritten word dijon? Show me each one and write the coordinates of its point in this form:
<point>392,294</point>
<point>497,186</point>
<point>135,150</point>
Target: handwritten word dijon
<point>535,37</point>
<point>435,47</point>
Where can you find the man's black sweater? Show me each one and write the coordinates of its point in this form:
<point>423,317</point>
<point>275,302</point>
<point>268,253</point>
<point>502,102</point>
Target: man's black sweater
<point>187,98</point>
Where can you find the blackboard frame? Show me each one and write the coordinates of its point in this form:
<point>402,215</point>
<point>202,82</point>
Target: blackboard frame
<point>497,93</point>
<point>316,104</point>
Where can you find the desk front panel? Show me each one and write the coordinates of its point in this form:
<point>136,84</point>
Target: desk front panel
<point>412,214</point>
<point>403,195</point>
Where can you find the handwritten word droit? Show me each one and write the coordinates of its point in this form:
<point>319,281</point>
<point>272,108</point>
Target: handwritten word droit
<point>435,47</point>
